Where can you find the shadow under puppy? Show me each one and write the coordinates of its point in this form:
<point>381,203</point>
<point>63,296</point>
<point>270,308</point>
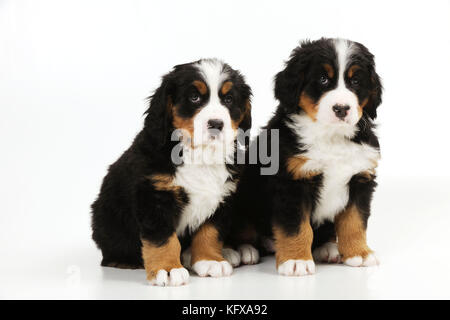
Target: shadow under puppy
<point>174,186</point>
<point>318,202</point>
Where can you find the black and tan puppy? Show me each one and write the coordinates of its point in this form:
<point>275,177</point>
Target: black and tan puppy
<point>320,197</point>
<point>163,194</point>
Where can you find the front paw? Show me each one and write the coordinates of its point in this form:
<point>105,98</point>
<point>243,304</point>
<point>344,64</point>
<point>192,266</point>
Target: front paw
<point>328,252</point>
<point>232,256</point>
<point>212,268</point>
<point>358,261</point>
<point>297,268</point>
<point>175,277</point>
<point>249,254</point>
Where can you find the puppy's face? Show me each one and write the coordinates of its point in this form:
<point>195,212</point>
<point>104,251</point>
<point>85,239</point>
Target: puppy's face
<point>209,102</point>
<point>333,80</point>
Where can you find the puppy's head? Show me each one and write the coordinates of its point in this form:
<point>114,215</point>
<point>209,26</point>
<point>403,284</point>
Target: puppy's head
<point>206,100</point>
<point>332,81</point>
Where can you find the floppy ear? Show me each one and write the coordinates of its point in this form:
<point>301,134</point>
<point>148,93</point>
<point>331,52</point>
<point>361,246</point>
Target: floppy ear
<point>159,114</point>
<point>374,95</point>
<point>246,122</point>
<point>289,82</point>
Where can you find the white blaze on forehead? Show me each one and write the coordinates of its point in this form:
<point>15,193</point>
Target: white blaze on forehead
<point>344,50</point>
<point>214,73</point>
<point>341,95</point>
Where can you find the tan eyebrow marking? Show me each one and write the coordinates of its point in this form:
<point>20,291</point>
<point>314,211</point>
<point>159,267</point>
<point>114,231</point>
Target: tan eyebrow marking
<point>201,86</point>
<point>329,69</point>
<point>352,70</point>
<point>226,87</point>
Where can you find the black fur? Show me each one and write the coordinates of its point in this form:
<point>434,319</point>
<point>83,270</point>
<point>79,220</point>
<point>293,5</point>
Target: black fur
<point>128,207</point>
<point>279,200</point>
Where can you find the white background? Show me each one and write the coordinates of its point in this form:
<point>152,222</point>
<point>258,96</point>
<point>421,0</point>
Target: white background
<point>74,76</point>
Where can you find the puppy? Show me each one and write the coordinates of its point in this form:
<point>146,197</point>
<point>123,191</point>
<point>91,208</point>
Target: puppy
<point>320,197</point>
<point>175,185</point>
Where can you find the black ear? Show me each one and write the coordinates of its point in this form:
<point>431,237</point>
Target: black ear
<point>374,95</point>
<point>246,93</point>
<point>289,82</point>
<point>159,114</point>
<point>246,122</point>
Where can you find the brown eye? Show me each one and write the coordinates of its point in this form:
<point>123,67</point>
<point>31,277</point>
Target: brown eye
<point>228,99</point>
<point>354,81</point>
<point>194,97</point>
<point>324,80</point>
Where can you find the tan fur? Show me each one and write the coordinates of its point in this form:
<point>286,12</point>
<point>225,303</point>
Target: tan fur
<point>308,105</point>
<point>295,247</point>
<point>206,245</point>
<point>226,87</point>
<point>201,86</point>
<point>246,113</point>
<point>352,70</point>
<point>329,69</point>
<point>368,174</point>
<point>361,107</point>
<point>164,182</point>
<point>294,166</point>
<point>351,234</point>
<point>164,257</point>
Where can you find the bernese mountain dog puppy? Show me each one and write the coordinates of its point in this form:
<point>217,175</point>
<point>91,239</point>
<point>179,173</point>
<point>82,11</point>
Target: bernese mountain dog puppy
<point>175,185</point>
<point>318,203</point>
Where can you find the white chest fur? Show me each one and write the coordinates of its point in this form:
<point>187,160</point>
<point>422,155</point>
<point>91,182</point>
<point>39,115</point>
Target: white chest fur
<point>206,187</point>
<point>331,152</point>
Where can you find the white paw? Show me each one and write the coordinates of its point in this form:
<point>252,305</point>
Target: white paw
<point>186,258</point>
<point>249,254</point>
<point>327,253</point>
<point>212,268</point>
<point>358,261</point>
<point>232,256</point>
<point>269,245</point>
<point>176,277</point>
<point>297,268</point>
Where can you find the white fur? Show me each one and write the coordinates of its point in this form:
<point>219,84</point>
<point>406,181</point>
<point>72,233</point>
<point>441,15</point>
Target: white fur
<point>214,74</point>
<point>203,174</point>
<point>232,256</point>
<point>176,277</point>
<point>297,268</point>
<point>213,268</point>
<point>206,186</point>
<point>328,252</point>
<point>358,261</point>
<point>341,95</point>
<point>332,153</point>
<point>249,254</point>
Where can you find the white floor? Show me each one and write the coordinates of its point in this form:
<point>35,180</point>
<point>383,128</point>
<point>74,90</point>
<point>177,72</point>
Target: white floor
<point>409,231</point>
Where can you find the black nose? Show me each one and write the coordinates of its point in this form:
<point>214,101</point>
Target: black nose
<point>215,124</point>
<point>340,111</point>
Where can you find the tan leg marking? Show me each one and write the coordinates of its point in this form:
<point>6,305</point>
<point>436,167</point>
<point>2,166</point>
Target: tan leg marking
<point>351,234</point>
<point>294,166</point>
<point>206,245</point>
<point>296,247</point>
<point>165,257</point>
